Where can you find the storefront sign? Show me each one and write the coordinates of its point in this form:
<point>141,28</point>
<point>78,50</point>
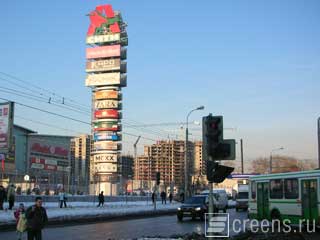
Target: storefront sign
<point>37,160</point>
<point>106,136</point>
<point>50,150</point>
<point>103,65</point>
<point>106,167</point>
<point>106,79</point>
<point>106,145</point>
<point>107,94</point>
<point>103,52</point>
<point>105,157</point>
<point>37,166</point>
<point>50,167</point>
<point>6,124</point>
<point>106,114</point>
<point>104,104</point>
<point>108,38</point>
<point>107,126</point>
<point>51,162</point>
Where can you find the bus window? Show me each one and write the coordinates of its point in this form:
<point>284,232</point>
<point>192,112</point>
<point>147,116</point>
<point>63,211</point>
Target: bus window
<point>291,188</point>
<point>253,190</point>
<point>276,189</point>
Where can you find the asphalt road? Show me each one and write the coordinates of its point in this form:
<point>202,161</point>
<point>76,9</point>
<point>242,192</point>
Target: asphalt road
<point>127,229</point>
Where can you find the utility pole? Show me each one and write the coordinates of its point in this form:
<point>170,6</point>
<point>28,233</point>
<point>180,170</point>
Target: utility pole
<point>319,142</point>
<point>241,147</point>
<point>136,161</point>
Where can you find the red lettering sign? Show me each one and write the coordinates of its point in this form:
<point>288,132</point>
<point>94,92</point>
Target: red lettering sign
<point>52,150</point>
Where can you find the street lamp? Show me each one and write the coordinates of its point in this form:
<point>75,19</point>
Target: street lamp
<point>270,163</point>
<point>186,165</point>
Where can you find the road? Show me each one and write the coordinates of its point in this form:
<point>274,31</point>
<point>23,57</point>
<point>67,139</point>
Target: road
<point>126,229</point>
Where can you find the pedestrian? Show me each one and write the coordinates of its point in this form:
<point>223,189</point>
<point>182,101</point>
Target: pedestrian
<point>36,220</point>
<point>3,196</point>
<point>170,197</point>
<point>63,198</point>
<point>153,197</point>
<point>101,199</point>
<point>182,197</point>
<point>21,220</point>
<point>11,195</point>
<point>162,196</point>
<point>165,197</point>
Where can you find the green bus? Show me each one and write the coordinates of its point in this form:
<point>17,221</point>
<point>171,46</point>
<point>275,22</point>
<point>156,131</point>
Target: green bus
<point>294,196</point>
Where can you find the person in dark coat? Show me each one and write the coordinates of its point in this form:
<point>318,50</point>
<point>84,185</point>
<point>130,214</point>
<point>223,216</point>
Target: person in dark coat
<point>153,197</point>
<point>170,197</point>
<point>3,196</point>
<point>101,199</point>
<point>163,196</point>
<point>182,197</point>
<point>11,195</point>
<point>36,220</point>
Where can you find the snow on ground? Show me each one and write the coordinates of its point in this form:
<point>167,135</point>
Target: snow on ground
<point>78,210</point>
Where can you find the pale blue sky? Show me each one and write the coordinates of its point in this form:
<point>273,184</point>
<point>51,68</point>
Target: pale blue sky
<point>255,62</point>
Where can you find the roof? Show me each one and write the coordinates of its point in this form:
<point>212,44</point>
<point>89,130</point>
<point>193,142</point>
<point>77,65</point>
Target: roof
<point>24,129</point>
<point>288,174</point>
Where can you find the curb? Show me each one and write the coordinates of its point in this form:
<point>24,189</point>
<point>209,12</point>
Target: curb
<point>75,220</point>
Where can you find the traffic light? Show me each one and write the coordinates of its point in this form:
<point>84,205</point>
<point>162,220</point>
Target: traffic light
<point>158,178</point>
<point>212,136</point>
<point>216,173</point>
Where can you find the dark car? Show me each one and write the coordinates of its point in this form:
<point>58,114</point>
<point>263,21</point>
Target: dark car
<point>196,206</point>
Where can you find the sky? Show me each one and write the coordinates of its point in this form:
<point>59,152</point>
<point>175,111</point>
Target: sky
<point>257,63</point>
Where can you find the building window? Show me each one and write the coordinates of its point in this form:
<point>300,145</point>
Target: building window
<point>276,189</point>
<point>291,188</point>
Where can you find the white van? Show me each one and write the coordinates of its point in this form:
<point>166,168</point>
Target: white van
<point>242,198</point>
<point>220,199</point>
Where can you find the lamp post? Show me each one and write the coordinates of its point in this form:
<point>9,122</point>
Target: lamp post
<point>270,163</point>
<point>186,164</point>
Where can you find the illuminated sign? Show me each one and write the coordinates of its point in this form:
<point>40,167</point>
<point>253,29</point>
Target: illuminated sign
<point>107,94</point>
<point>103,104</point>
<point>105,136</point>
<point>107,126</point>
<point>106,167</point>
<point>103,52</point>
<point>105,157</point>
<point>108,177</point>
<point>106,145</point>
<point>106,79</point>
<point>103,38</point>
<point>106,114</point>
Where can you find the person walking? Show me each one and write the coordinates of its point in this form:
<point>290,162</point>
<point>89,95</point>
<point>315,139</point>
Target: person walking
<point>62,198</point>
<point>11,195</point>
<point>165,197</point>
<point>3,196</point>
<point>162,196</point>
<point>170,197</point>
<point>36,220</point>
<point>101,199</point>
<point>153,197</point>
<point>21,220</point>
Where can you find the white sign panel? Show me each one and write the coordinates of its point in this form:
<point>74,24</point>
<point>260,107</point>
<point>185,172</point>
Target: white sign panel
<point>105,157</point>
<point>105,79</point>
<point>106,104</point>
<point>103,38</point>
<point>106,145</point>
<point>106,167</point>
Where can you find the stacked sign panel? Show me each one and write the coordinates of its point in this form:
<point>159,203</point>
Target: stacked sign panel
<point>106,75</point>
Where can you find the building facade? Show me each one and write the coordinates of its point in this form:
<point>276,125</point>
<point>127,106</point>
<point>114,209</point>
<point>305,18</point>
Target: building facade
<point>80,163</point>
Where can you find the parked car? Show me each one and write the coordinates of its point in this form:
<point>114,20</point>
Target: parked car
<point>220,199</point>
<point>195,206</point>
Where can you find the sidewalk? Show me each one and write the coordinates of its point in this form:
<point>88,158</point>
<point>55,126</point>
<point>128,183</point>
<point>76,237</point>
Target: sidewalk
<point>87,211</point>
